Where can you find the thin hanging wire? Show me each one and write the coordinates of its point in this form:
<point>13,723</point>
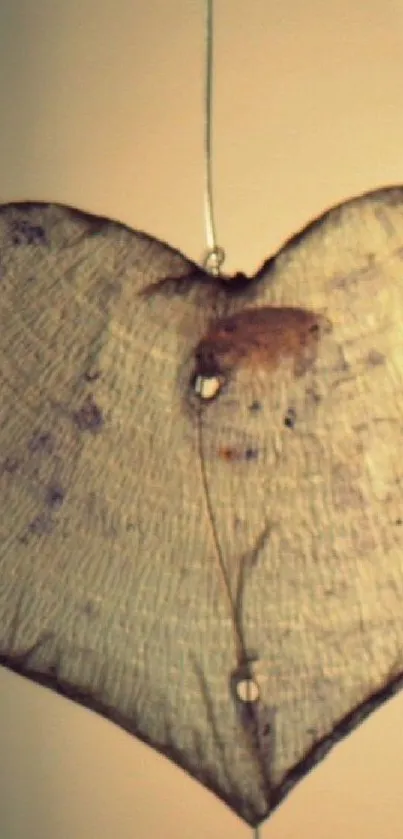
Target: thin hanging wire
<point>215,255</point>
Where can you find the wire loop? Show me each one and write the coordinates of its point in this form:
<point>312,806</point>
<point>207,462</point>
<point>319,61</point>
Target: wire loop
<point>213,260</point>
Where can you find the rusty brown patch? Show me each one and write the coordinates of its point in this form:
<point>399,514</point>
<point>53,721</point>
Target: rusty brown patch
<point>232,454</point>
<point>89,417</point>
<point>261,338</point>
<point>229,453</point>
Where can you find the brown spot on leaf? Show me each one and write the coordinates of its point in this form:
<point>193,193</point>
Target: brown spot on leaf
<point>89,417</point>
<point>232,454</point>
<point>55,496</point>
<point>229,453</point>
<point>255,406</point>
<point>290,418</point>
<point>261,338</point>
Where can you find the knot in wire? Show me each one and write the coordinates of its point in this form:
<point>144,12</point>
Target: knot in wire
<point>214,260</point>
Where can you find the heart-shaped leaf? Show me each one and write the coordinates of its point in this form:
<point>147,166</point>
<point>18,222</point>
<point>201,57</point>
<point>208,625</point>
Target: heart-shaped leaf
<point>201,486</point>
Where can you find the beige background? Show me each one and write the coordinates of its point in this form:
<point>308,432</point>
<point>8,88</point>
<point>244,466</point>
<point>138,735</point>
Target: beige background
<point>102,107</point>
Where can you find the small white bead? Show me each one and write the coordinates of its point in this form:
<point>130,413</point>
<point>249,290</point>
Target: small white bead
<point>247,690</point>
<point>207,387</point>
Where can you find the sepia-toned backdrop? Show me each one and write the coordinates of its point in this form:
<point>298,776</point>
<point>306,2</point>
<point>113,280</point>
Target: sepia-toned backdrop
<point>101,107</point>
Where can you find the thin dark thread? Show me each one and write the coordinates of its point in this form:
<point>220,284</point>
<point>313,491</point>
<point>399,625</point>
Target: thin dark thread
<point>242,655</point>
<point>219,554</point>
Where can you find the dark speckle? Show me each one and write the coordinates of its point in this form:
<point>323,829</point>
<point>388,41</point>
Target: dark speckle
<point>290,418</point>
<point>251,454</point>
<point>90,609</point>
<point>55,496</point>
<point>89,417</point>
<point>255,406</point>
<point>41,441</point>
<point>399,522</point>
<point>314,329</point>
<point>25,233</point>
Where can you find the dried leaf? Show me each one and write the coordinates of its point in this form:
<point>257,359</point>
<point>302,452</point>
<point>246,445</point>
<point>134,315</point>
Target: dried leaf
<point>201,486</point>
